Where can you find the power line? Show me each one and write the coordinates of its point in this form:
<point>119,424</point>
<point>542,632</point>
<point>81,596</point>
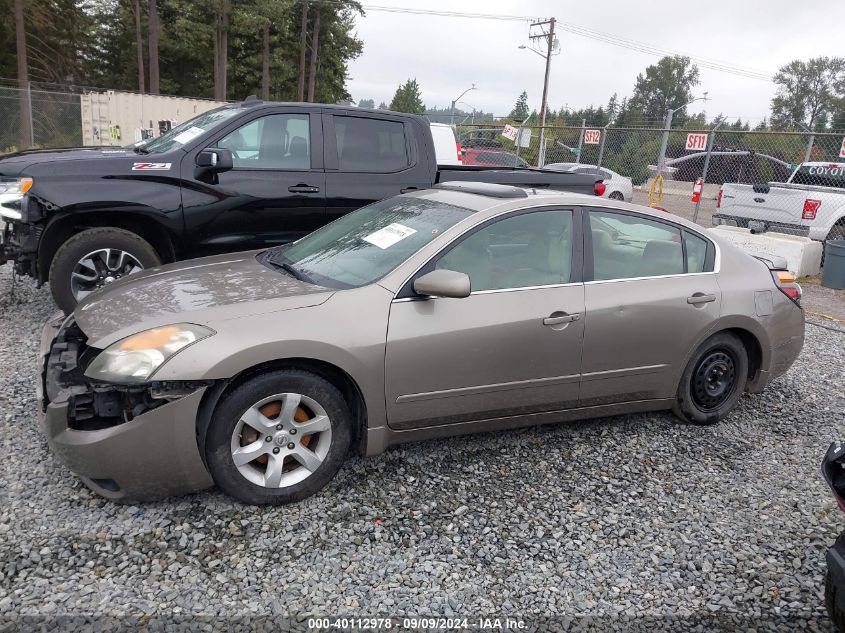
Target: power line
<point>575,29</point>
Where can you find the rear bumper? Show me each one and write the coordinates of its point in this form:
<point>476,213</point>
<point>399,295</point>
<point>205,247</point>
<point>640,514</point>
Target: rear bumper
<point>767,225</point>
<point>154,455</point>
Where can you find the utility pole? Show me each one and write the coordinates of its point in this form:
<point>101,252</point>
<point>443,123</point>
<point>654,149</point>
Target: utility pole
<point>549,36</point>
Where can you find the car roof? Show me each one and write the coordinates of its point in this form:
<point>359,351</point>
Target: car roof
<point>490,199</point>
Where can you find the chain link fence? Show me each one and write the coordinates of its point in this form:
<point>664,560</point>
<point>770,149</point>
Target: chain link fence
<point>653,166</point>
<point>52,118</point>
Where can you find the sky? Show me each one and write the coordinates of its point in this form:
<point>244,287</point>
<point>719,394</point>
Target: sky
<point>448,54</point>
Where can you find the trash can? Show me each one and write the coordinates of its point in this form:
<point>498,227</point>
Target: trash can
<point>833,274</point>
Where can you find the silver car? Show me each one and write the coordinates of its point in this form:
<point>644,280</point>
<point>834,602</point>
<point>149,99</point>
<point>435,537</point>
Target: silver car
<point>464,308</point>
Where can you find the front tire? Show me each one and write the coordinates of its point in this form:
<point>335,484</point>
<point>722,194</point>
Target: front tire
<point>94,258</point>
<point>279,437</point>
<point>713,380</point>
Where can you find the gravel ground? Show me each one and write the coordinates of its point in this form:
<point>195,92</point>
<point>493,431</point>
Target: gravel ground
<point>627,516</point>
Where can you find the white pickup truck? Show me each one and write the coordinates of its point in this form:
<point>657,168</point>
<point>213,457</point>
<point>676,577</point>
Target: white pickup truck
<point>810,203</point>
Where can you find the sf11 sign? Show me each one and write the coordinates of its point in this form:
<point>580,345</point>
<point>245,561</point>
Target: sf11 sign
<point>696,141</point>
<point>592,137</point>
<point>509,132</point>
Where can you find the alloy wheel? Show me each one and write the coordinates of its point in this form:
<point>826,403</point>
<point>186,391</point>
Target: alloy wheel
<point>281,440</point>
<point>101,267</point>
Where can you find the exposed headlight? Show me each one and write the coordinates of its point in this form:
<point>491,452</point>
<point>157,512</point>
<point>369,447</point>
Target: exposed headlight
<point>136,358</point>
<point>12,191</point>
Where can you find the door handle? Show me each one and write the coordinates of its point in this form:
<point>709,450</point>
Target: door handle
<point>409,189</point>
<point>699,298</point>
<point>303,189</point>
<point>562,318</point>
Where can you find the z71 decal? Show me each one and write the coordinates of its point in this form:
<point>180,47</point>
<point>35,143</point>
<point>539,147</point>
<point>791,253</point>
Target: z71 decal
<point>151,166</point>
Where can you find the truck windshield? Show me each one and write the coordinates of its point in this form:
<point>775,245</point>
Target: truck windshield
<point>187,131</point>
<point>830,175</point>
<point>365,245</point>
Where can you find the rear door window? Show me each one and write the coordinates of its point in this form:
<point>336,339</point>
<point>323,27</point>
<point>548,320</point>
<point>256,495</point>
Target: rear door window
<point>626,246</point>
<point>370,145</point>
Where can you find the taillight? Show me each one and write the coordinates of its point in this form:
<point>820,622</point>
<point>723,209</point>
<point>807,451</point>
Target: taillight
<point>785,281</point>
<point>460,152</point>
<point>599,188</point>
<point>719,199</point>
<point>810,208</point>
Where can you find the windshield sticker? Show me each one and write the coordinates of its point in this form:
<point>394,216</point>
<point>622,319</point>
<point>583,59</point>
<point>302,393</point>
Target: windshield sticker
<point>389,235</point>
<point>188,135</point>
<point>151,166</point>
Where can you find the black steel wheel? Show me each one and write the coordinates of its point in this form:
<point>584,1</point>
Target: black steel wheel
<point>713,380</point>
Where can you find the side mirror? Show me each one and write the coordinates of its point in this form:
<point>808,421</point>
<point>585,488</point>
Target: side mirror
<point>443,283</point>
<point>215,159</point>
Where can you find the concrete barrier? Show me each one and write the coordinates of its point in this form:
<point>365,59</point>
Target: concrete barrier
<point>803,255</point>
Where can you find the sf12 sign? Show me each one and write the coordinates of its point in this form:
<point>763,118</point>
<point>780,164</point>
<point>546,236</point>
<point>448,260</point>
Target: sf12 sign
<point>842,149</point>
<point>696,141</point>
<point>592,137</point>
<point>509,132</point>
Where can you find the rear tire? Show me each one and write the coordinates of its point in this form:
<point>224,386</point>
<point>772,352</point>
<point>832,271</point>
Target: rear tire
<point>713,381</point>
<point>75,249</point>
<point>296,461</point>
<point>616,195</point>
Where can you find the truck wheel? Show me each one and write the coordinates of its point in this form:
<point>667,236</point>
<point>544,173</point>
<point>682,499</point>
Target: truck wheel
<point>713,381</point>
<point>93,258</point>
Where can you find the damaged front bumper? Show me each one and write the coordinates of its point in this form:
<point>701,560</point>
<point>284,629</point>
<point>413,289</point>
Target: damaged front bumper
<point>130,444</point>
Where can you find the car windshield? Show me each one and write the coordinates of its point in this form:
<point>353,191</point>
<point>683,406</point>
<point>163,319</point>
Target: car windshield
<point>365,245</point>
<point>187,131</point>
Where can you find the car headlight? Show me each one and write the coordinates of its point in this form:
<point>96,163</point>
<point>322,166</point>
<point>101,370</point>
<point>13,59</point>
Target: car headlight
<point>136,358</point>
<point>12,191</point>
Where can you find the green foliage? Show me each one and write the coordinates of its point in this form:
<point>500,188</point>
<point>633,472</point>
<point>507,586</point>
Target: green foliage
<point>367,103</point>
<point>666,84</point>
<point>93,43</point>
<point>810,92</point>
<point>520,110</point>
<point>408,99</point>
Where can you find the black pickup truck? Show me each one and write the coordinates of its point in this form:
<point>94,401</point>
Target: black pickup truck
<point>243,176</point>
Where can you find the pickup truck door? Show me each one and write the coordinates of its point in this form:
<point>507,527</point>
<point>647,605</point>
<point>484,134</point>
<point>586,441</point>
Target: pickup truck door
<point>371,156</point>
<point>274,194</point>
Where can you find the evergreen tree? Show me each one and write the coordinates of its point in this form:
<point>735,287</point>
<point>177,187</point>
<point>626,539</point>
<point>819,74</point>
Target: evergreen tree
<point>520,110</point>
<point>408,99</point>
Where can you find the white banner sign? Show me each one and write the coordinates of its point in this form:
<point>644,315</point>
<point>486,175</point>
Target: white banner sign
<point>592,137</point>
<point>696,141</point>
<point>524,137</point>
<point>509,132</point>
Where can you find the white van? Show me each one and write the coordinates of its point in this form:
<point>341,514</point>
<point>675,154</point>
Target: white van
<point>446,147</point>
